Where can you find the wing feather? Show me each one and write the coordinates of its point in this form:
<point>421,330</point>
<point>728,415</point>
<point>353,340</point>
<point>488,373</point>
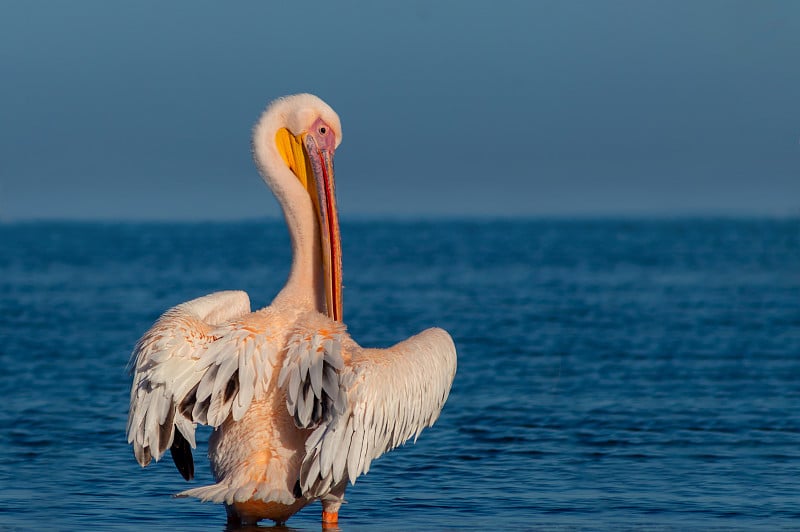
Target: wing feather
<point>309,375</point>
<point>198,363</point>
<point>388,396</point>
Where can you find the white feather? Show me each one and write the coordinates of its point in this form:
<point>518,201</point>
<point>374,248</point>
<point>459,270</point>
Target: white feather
<point>390,395</point>
<point>183,351</point>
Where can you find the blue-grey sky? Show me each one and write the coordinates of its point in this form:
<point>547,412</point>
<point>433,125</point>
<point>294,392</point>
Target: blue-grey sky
<point>128,110</point>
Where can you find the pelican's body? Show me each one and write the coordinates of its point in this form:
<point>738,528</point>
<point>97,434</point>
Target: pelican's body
<point>298,407</point>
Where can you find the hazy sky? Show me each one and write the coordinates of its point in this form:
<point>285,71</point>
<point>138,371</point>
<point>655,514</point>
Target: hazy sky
<point>144,109</point>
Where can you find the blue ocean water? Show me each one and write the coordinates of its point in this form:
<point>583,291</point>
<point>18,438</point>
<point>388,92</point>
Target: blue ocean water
<point>612,374</point>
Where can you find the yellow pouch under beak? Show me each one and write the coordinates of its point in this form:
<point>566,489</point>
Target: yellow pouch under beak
<point>294,155</point>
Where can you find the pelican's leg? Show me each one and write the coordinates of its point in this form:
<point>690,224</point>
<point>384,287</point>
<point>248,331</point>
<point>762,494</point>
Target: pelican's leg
<point>331,504</point>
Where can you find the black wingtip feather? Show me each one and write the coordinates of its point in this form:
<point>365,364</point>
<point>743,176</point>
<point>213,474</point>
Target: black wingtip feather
<point>232,387</point>
<point>181,453</point>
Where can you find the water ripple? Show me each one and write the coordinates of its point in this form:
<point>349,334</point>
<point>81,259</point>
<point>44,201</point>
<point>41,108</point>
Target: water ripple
<point>617,374</point>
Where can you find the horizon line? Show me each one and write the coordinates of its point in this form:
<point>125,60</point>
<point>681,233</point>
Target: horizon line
<point>412,218</point>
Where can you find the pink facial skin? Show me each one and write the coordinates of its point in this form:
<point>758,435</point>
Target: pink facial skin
<point>323,135</point>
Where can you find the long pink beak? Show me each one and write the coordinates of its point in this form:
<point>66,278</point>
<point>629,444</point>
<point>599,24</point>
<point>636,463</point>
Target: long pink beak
<point>321,159</point>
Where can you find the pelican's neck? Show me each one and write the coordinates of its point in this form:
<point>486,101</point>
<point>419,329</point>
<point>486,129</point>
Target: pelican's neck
<point>305,289</point>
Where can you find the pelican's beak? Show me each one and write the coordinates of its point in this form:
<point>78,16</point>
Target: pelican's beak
<point>313,166</point>
<point>324,198</point>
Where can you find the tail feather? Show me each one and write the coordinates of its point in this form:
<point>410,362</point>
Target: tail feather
<point>229,493</point>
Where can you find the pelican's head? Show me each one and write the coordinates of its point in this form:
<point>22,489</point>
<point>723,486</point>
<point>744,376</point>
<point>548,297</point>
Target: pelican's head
<point>293,146</point>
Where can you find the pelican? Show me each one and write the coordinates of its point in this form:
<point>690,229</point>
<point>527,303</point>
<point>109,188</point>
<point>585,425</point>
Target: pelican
<point>298,408</point>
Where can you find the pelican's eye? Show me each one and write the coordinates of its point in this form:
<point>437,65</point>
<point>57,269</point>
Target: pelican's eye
<point>324,134</point>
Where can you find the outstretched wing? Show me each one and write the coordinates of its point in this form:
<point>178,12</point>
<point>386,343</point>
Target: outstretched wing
<point>199,363</point>
<point>363,403</point>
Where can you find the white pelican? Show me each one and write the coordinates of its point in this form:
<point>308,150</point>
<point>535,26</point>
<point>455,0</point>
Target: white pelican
<point>298,408</point>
